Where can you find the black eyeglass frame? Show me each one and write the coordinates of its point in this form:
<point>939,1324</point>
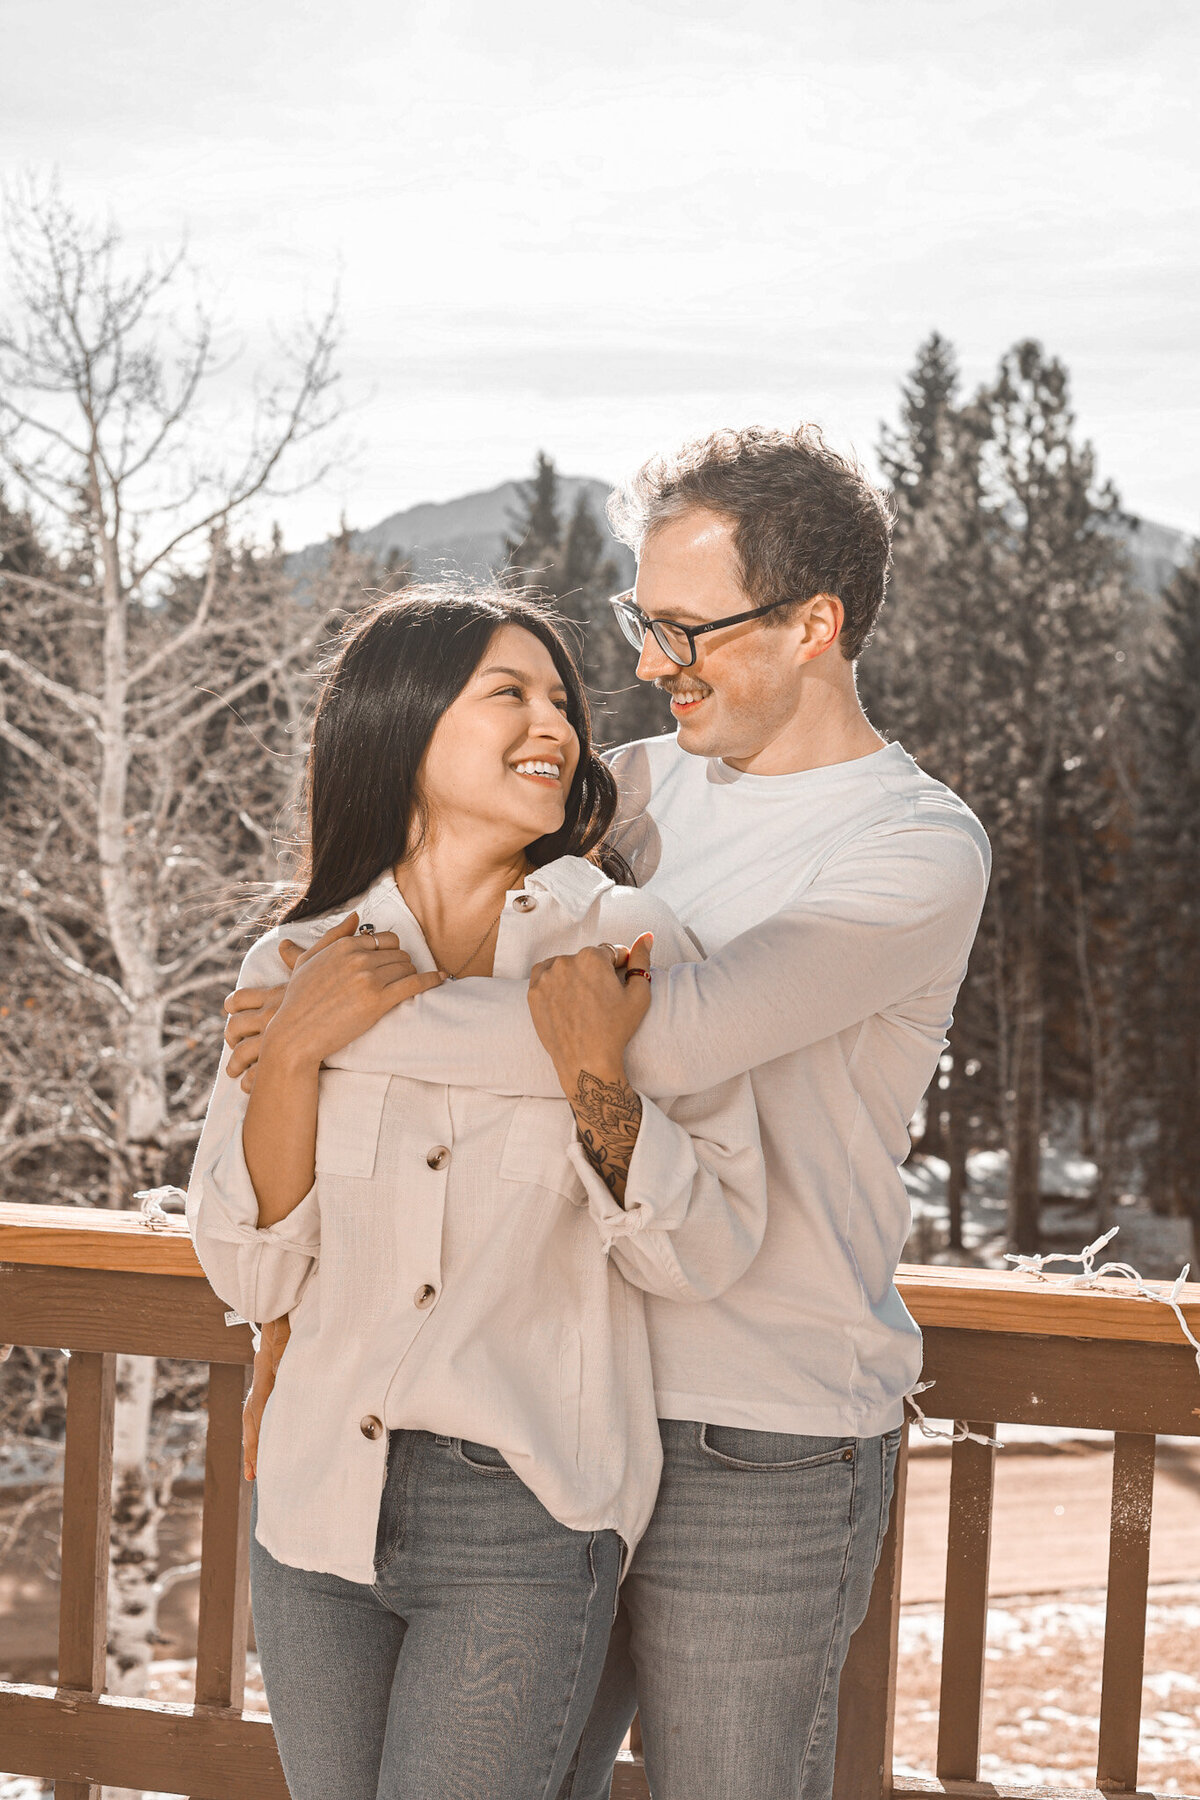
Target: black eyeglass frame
<point>625,608</point>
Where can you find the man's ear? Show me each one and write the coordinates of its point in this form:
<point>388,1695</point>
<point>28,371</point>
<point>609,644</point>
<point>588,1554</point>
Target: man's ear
<point>823,620</point>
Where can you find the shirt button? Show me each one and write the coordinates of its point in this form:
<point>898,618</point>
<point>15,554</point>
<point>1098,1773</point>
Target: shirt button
<point>438,1157</point>
<point>371,1427</point>
<point>425,1295</point>
<point>524,903</point>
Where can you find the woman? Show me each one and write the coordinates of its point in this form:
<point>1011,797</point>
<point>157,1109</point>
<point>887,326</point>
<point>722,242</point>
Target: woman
<point>461,1450</point>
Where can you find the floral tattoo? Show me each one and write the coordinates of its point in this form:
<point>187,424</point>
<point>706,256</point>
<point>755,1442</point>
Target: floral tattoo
<point>608,1114</point>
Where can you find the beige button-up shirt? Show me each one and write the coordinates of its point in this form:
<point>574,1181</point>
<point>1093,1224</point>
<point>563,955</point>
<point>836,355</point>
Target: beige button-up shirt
<point>459,1267</point>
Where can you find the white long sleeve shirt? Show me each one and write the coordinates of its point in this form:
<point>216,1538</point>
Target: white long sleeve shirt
<point>837,908</point>
<point>459,1267</point>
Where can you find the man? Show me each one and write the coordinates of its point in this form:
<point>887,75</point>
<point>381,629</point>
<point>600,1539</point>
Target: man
<point>835,889</point>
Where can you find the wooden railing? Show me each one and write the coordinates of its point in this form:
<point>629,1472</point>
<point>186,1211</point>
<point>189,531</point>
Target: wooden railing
<point>1001,1349</point>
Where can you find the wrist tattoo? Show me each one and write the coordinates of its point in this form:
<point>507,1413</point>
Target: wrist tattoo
<point>608,1115</point>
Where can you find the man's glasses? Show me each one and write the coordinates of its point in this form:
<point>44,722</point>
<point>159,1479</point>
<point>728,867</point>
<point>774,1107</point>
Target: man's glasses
<point>674,640</point>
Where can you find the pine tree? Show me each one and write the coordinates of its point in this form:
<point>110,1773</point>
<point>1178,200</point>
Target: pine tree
<point>585,563</point>
<point>1165,961</point>
<point>574,570</point>
<point>533,554</point>
<point>997,666</point>
<point>1059,597</point>
<point>587,578</point>
<point>928,647</point>
<point>911,455</point>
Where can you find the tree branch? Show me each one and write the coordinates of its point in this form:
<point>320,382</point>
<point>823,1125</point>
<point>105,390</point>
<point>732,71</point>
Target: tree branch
<point>172,1577</point>
<point>39,931</point>
<point>198,984</point>
<point>75,700</point>
<point>41,585</point>
<point>315,378</point>
<point>191,631</point>
<point>43,1140</point>
<point>275,667</point>
<point>58,771</point>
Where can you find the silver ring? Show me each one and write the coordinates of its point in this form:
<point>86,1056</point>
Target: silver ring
<point>369,932</point>
<point>612,950</point>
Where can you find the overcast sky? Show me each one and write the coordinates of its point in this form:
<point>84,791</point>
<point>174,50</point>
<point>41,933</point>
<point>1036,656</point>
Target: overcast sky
<point>598,228</point>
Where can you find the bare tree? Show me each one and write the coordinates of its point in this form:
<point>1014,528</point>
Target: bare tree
<point>152,677</point>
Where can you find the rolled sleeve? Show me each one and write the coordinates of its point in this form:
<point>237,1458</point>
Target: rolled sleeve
<point>695,1198</point>
<point>658,1190</point>
<point>260,1270</point>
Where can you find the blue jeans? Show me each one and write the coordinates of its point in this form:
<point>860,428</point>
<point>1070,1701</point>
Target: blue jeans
<point>467,1668</point>
<point>737,1613</point>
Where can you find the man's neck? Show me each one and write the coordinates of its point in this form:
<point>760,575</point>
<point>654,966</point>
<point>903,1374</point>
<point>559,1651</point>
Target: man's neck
<point>832,728</point>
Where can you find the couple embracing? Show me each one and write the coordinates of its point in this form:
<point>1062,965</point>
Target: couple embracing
<point>556,1148</point>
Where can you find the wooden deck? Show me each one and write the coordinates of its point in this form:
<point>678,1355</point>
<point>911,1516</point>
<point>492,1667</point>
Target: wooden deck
<point>1006,1349</point>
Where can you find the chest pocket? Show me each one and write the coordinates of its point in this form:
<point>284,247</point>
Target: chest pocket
<point>349,1113</point>
<point>535,1148</point>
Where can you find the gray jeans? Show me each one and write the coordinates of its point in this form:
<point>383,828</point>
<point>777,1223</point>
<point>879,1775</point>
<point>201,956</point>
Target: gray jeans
<point>737,1613</point>
<point>467,1668</point>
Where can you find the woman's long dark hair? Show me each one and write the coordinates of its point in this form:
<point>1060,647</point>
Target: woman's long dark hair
<point>398,666</point>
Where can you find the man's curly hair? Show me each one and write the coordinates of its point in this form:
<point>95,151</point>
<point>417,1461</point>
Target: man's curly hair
<point>806,520</point>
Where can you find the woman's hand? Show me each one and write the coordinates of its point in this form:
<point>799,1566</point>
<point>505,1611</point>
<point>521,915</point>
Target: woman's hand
<point>341,986</point>
<point>271,1345</point>
<point>338,990</point>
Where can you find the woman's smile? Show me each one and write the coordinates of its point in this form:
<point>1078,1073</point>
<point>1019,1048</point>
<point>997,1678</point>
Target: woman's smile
<point>545,770</point>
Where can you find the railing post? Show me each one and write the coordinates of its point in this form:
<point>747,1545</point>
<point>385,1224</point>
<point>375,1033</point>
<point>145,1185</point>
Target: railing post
<point>629,1779</point>
<point>867,1693</point>
<point>86,1517</point>
<point>1125,1611</point>
<point>224,1546</point>
<point>964,1634</point>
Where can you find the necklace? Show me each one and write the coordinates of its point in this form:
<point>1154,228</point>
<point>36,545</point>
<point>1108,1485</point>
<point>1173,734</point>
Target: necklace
<point>454,974</point>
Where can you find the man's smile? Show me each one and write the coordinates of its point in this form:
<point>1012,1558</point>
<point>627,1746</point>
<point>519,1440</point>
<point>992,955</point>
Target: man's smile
<point>685,696</point>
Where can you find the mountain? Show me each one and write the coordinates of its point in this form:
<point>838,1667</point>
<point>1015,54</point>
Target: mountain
<point>464,536</point>
<point>1155,552</point>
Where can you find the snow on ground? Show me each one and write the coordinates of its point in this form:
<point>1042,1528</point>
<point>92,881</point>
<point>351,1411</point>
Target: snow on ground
<point>1042,1692</point>
<point>1158,1247</point>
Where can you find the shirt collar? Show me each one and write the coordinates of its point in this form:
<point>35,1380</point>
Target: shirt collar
<point>383,903</point>
<point>572,881</point>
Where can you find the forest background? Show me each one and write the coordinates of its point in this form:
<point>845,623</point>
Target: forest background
<point>157,663</point>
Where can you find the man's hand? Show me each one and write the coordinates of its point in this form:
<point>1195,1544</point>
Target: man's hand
<point>585,1009</point>
<point>339,987</point>
<point>250,1012</point>
<point>252,1009</point>
<point>271,1345</point>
